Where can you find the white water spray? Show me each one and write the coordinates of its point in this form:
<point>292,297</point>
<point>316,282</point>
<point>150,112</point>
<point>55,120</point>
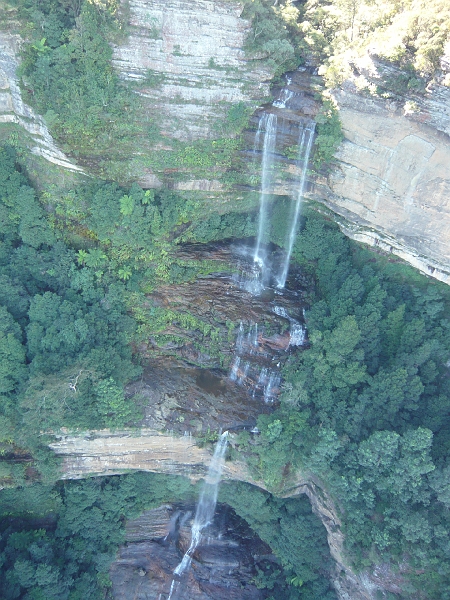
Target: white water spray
<point>297,333</point>
<point>206,507</point>
<point>305,146</point>
<point>235,369</point>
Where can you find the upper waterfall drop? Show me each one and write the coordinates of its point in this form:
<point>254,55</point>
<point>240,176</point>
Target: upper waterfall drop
<point>305,144</point>
<point>268,124</point>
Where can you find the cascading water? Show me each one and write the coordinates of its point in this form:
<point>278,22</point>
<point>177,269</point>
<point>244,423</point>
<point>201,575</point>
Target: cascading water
<point>297,332</point>
<point>305,145</point>
<point>268,123</point>
<point>206,507</point>
<point>234,375</point>
<point>284,98</point>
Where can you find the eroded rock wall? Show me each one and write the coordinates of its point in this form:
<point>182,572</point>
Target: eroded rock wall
<point>392,179</point>
<point>101,453</point>
<point>390,183</point>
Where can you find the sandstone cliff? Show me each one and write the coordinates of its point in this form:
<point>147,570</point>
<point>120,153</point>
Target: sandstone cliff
<point>189,61</point>
<point>390,184</point>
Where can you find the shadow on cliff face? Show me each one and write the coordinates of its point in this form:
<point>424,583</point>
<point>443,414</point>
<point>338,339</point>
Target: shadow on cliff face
<point>223,566</point>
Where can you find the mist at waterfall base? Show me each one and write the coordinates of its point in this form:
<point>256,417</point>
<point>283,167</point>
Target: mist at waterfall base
<point>204,513</point>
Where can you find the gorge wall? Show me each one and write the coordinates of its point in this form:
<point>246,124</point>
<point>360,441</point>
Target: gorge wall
<point>14,110</point>
<point>392,182</point>
<point>390,185</point>
<point>104,453</point>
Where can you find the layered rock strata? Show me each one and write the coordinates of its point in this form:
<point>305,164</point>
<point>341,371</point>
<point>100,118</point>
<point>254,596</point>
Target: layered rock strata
<point>392,182</point>
<point>108,453</point>
<point>189,62</point>
<point>224,564</point>
<point>389,186</point>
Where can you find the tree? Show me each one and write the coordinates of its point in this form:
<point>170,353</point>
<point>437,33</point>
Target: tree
<point>12,353</point>
<point>126,205</point>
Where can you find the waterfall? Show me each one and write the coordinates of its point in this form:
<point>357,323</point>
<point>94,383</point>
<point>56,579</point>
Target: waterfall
<point>206,507</point>
<point>235,368</point>
<point>284,98</point>
<point>305,144</point>
<point>269,122</point>
<point>297,333</point>
<point>270,389</point>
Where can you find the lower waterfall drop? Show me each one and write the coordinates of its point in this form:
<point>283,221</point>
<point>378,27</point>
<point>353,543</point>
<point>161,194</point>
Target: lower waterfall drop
<point>206,507</point>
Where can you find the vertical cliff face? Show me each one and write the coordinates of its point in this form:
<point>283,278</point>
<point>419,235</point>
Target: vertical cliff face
<point>389,185</point>
<point>188,61</point>
<point>224,564</point>
<point>392,182</point>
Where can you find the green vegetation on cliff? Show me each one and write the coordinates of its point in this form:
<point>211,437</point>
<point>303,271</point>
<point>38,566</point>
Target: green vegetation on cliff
<point>408,34</point>
<point>366,407</point>
<point>75,268</point>
<point>65,332</point>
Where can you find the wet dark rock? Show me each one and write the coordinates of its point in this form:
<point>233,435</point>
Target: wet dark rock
<point>222,568</point>
<point>193,383</point>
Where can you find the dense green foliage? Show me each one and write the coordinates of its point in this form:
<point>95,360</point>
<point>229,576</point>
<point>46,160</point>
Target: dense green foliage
<point>275,36</point>
<point>64,328</point>
<point>367,406</point>
<point>407,33</point>
<point>329,134</point>
<point>57,543</point>
<point>336,32</point>
<point>295,536</point>
<point>73,297</point>
<point>68,77</point>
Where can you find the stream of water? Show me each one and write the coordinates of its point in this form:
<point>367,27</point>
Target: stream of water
<point>268,379</point>
<point>206,507</point>
<point>268,124</point>
<point>304,151</point>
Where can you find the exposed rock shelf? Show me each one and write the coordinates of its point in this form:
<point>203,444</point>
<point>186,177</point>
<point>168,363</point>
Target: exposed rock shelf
<point>100,453</point>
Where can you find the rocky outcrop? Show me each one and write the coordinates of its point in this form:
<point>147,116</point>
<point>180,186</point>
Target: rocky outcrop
<point>391,183</point>
<point>224,563</point>
<point>14,110</point>
<point>389,186</point>
<point>108,453</point>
